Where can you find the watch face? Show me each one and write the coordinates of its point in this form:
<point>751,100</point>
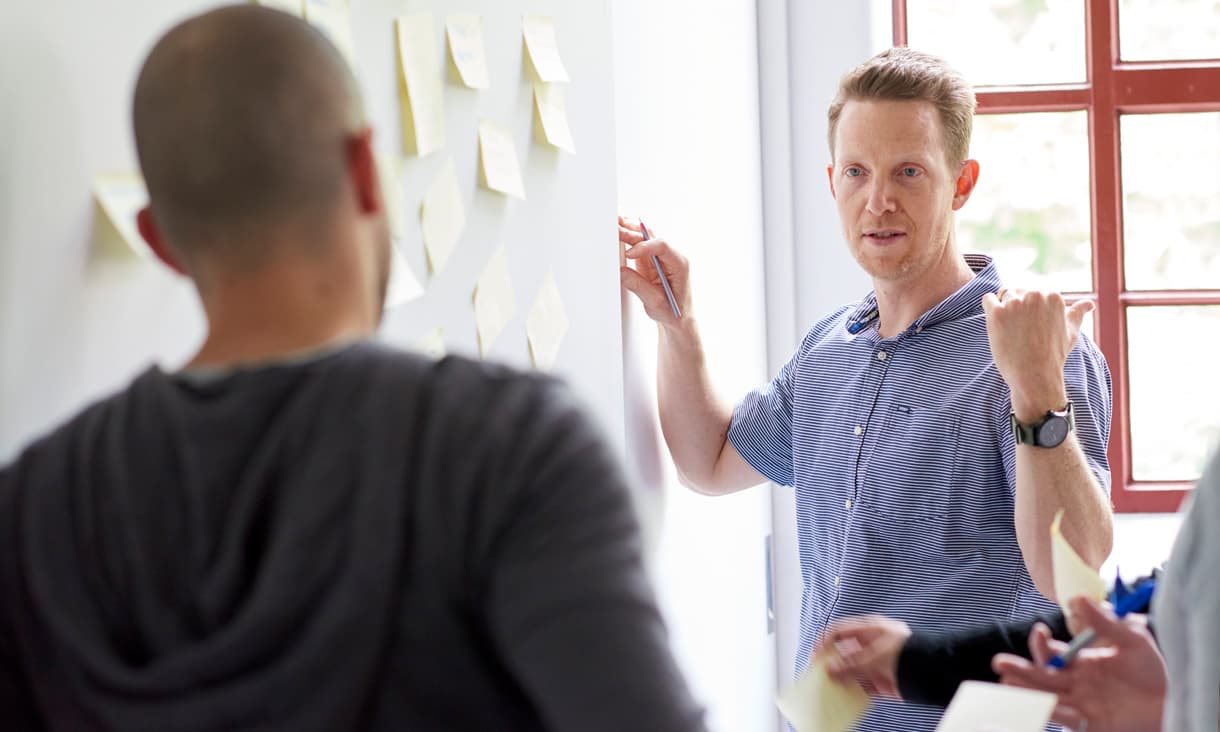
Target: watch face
<point>1053,431</point>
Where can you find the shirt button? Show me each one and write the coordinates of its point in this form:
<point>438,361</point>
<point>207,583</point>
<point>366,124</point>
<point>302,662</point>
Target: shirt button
<point>881,355</point>
<point>847,504</point>
<point>919,329</point>
<point>836,580</point>
<point>858,430</point>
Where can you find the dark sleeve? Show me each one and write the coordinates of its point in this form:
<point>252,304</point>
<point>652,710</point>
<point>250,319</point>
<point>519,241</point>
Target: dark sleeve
<point>17,705</point>
<point>571,610</point>
<point>932,665</point>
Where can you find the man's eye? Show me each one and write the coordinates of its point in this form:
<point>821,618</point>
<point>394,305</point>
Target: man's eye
<point>853,172</point>
<point>910,171</point>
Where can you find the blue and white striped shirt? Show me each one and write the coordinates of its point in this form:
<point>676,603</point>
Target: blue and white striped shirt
<point>903,461</point>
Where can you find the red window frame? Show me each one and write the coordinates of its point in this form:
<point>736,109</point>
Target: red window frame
<point>1114,87</point>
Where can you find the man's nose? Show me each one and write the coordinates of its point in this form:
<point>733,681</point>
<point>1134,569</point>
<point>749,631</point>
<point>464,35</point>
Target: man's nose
<point>880,197</point>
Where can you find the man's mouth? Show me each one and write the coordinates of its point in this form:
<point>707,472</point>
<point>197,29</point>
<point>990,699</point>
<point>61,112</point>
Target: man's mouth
<point>884,235</point>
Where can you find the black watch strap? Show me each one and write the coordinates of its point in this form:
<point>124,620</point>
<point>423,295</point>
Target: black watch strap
<point>1029,434</point>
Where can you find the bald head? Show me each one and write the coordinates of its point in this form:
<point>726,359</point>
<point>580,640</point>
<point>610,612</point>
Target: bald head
<point>242,118</point>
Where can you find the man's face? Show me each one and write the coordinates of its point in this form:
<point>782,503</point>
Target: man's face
<point>894,188</point>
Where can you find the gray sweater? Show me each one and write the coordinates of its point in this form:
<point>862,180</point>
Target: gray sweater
<point>369,540</point>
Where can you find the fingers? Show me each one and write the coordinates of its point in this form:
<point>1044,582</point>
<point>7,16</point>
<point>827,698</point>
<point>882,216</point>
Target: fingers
<point>1041,645</point>
<point>1079,309</point>
<point>1020,672</point>
<point>629,236</point>
<point>1104,622</point>
<point>651,296</point>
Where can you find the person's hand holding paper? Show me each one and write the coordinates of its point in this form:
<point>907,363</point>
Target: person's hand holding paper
<point>818,703</point>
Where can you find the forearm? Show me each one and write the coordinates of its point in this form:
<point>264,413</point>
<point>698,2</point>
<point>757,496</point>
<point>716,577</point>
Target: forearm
<point>694,421</point>
<point>1049,480</point>
<point>932,665</point>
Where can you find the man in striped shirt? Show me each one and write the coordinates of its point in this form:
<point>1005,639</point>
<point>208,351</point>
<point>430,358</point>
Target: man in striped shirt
<point>931,430</point>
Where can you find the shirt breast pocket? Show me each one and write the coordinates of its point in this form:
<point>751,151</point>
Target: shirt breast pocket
<point>910,474</point>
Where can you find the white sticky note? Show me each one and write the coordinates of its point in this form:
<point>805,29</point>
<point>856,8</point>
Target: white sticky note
<point>983,707</point>
<point>442,217</point>
<point>465,32</point>
<point>432,344</point>
<point>1073,577</point>
<point>546,324</point>
<point>403,286</point>
<point>818,703</point>
<point>389,170</point>
<point>333,18</point>
<point>498,156</point>
<point>119,197</point>
<point>553,115</point>
<point>419,88</point>
<point>292,7</point>
<point>494,301</point>
<point>543,47</point>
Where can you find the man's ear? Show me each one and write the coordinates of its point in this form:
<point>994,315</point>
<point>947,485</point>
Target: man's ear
<point>830,176</point>
<point>362,167</point>
<point>152,236</point>
<point>967,179</point>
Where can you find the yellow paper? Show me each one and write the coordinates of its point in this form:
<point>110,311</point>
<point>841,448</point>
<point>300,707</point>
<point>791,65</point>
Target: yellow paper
<point>499,159</point>
<point>419,75</point>
<point>817,703</point>
<point>546,325</point>
<point>465,31</point>
<point>403,286</point>
<point>119,196</point>
<point>983,707</point>
<point>333,19</point>
<point>442,217</point>
<point>1072,576</point>
<point>432,344</point>
<point>389,169</point>
<point>292,7</point>
<point>494,302</point>
<point>543,47</point>
<point>553,114</point>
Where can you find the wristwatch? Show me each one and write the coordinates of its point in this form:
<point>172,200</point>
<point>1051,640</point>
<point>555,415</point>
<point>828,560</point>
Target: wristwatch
<point>1050,431</point>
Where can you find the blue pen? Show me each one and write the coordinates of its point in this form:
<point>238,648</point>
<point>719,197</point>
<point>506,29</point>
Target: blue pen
<point>1129,602</point>
<point>656,262</point>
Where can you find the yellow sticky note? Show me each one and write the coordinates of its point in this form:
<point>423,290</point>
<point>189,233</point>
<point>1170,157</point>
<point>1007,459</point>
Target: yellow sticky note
<point>543,47</point>
<point>981,707</point>
<point>817,703</point>
<point>333,18</point>
<point>419,88</point>
<point>546,324</point>
<point>442,217</point>
<point>119,197</point>
<point>465,32</point>
<point>403,286</point>
<point>501,172</point>
<point>1072,576</point>
<point>432,344</point>
<point>292,7</point>
<point>389,169</point>
<point>494,301</point>
<point>553,115</point>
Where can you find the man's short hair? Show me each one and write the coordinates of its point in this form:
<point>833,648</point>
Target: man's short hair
<point>902,74</point>
<point>242,117</point>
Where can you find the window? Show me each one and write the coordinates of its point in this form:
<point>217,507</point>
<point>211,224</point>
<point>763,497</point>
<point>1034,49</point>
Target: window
<point>1099,135</point>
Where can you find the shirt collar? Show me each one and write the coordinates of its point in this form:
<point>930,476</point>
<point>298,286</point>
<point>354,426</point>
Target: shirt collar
<point>966,301</point>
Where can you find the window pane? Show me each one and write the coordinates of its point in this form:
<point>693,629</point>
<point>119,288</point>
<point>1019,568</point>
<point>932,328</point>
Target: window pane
<point>1173,427</point>
<point>984,38</point>
<point>1165,30</point>
<point>1031,207</point>
<point>1171,200</point>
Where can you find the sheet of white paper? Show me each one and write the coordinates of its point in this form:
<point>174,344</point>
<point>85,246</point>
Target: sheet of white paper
<point>465,32</point>
<point>547,324</point>
<point>120,196</point>
<point>419,88</point>
<point>983,707</point>
<point>432,344</point>
<point>1073,577</point>
<point>442,217</point>
<point>543,47</point>
<point>333,18</point>
<point>498,154</point>
<point>816,703</point>
<point>494,301</point>
<point>553,115</point>
<point>403,286</point>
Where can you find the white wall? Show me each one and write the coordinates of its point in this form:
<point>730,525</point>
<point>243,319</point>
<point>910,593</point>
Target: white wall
<point>686,111</point>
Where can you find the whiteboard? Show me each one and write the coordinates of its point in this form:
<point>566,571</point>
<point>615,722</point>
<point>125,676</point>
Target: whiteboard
<point>75,326</point>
